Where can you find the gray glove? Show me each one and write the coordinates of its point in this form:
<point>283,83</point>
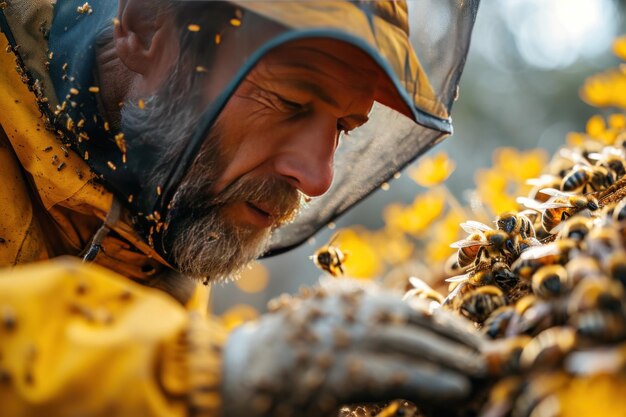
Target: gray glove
<point>345,344</point>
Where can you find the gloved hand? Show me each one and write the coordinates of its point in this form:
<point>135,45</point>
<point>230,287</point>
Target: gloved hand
<point>345,344</point>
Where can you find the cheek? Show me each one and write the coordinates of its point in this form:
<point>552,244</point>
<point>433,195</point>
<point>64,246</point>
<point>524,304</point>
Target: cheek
<point>248,144</point>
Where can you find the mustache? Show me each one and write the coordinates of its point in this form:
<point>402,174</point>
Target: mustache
<point>272,194</point>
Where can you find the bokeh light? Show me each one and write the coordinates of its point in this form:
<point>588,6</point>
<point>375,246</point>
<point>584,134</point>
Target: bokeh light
<point>555,33</point>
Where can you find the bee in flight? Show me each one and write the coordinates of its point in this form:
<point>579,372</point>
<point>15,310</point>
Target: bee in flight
<point>330,258</point>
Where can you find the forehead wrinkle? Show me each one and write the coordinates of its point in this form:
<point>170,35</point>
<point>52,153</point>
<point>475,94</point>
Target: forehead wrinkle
<point>314,89</point>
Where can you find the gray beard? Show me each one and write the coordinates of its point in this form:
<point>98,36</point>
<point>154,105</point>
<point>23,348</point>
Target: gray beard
<point>203,244</point>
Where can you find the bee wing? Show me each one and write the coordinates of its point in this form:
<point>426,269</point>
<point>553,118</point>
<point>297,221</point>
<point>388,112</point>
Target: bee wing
<point>332,239</point>
<point>472,226</point>
<point>536,252</point>
<point>467,243</point>
<point>533,241</point>
<point>553,192</point>
<point>459,278</point>
<point>573,156</point>
<point>530,214</point>
<point>553,205</point>
<point>544,179</point>
<point>595,156</point>
<point>529,202</point>
<point>411,293</point>
<point>419,283</point>
<point>453,294</point>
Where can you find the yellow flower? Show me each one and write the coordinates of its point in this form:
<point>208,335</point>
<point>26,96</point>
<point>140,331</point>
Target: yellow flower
<point>598,130</point>
<point>393,215</point>
<point>393,246</point>
<point>575,139</point>
<point>415,218</point>
<point>361,259</point>
<point>253,279</point>
<point>425,209</point>
<point>619,47</point>
<point>519,166</point>
<point>495,191</point>
<point>617,121</point>
<point>595,125</point>
<point>444,232</point>
<point>605,89</point>
<point>238,315</point>
<point>432,170</point>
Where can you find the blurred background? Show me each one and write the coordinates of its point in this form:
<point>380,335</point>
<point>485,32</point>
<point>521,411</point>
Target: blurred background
<point>520,89</point>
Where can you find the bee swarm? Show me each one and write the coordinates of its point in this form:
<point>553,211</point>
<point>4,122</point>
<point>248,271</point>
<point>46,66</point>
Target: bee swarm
<point>547,286</point>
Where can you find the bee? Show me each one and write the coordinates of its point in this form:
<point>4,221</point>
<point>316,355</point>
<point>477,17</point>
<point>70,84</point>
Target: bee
<point>616,266</point>
<point>557,252</point>
<point>619,211</point>
<point>581,267</point>
<point>601,242</point>
<point>503,355</point>
<point>422,290</point>
<point>600,326</point>
<point>517,223</point>
<point>534,315</point>
<point>587,178</point>
<point>584,176</point>
<point>551,281</point>
<point>494,245</point>
<point>523,244</point>
<point>560,207</point>
<point>520,290</point>
<point>330,258</point>
<point>478,304</point>
<point>499,275</point>
<point>462,284</point>
<point>537,396</point>
<point>611,158</point>
<point>596,310</point>
<point>576,228</point>
<point>468,249</point>
<point>548,348</point>
<point>503,277</point>
<point>452,267</point>
<point>497,323</point>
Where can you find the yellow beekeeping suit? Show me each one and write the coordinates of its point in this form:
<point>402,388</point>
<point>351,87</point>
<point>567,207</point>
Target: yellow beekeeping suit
<point>79,339</point>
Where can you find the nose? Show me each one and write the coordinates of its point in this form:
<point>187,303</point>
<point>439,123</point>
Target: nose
<point>306,158</point>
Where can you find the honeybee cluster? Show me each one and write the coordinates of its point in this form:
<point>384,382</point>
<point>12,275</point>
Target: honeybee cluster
<point>548,283</point>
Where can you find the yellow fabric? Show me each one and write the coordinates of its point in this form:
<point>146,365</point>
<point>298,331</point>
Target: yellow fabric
<point>78,340</point>
<point>81,345</point>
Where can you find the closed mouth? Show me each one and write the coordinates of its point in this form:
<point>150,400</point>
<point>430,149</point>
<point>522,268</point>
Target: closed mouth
<point>258,210</point>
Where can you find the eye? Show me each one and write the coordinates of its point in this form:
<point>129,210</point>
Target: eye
<point>290,105</point>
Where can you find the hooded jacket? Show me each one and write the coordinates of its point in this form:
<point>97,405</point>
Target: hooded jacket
<point>84,338</point>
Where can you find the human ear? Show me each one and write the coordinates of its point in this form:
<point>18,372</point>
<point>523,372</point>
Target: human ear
<point>137,34</point>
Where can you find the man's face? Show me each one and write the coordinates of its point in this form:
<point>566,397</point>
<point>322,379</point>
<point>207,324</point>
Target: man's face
<point>272,144</point>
